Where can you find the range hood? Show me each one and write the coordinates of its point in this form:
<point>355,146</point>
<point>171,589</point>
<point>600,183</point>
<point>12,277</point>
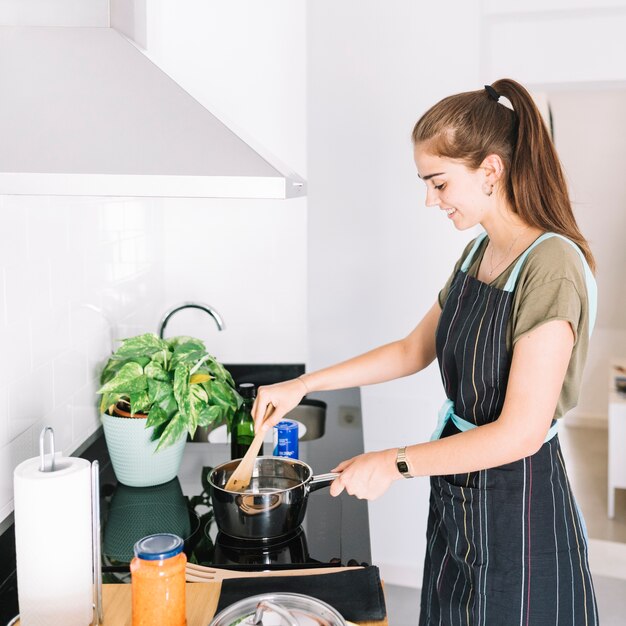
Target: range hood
<point>84,112</point>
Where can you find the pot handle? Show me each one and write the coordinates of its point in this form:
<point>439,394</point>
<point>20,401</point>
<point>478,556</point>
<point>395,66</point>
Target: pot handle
<point>321,481</point>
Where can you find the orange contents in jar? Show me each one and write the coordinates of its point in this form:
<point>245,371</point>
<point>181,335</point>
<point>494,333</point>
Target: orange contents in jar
<point>158,581</point>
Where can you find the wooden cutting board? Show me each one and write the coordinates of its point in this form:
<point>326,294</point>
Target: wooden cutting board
<point>202,601</point>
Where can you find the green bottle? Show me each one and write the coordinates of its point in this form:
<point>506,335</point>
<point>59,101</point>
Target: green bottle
<point>242,428</point>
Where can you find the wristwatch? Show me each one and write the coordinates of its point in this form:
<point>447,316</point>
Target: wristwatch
<point>402,463</point>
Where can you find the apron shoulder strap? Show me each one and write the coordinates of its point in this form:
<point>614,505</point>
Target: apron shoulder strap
<point>592,289</point>
<point>468,259</point>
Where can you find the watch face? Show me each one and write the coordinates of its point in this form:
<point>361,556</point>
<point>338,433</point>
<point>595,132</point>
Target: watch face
<point>403,467</point>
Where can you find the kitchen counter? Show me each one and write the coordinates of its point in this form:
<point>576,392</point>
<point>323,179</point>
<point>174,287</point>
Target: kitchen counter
<point>335,530</point>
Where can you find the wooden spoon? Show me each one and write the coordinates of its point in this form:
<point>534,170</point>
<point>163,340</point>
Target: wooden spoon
<point>242,475</point>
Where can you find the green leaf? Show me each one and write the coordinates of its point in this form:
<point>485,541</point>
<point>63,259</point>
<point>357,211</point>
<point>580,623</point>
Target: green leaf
<point>140,346</point>
<point>162,395</point>
<point>199,394</point>
<point>109,400</point>
<point>209,415</point>
<point>188,353</point>
<point>139,402</point>
<point>129,379</point>
<point>110,369</point>
<point>158,431</point>
<point>173,432</point>
<point>156,416</point>
<point>155,370</point>
<point>219,371</point>
<point>174,342</point>
<point>181,389</point>
<point>221,394</point>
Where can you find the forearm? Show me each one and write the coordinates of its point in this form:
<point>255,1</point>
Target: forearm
<point>480,448</point>
<point>393,360</point>
<point>369,475</point>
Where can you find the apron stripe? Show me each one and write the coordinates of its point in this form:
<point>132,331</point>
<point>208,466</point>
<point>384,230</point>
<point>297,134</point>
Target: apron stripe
<point>576,535</point>
<point>522,560</point>
<point>556,537</point>
<point>530,499</point>
<point>482,319</point>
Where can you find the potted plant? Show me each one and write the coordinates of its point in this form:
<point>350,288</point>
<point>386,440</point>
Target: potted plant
<point>154,393</point>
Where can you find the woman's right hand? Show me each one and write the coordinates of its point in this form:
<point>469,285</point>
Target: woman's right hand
<point>284,396</point>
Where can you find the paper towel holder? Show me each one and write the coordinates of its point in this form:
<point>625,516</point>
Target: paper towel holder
<point>47,433</point>
<point>43,466</point>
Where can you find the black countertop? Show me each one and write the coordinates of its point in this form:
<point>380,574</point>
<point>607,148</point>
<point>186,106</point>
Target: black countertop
<point>335,530</point>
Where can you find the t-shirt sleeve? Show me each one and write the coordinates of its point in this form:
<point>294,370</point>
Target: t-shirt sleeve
<point>554,300</point>
<point>553,289</point>
<point>443,294</point>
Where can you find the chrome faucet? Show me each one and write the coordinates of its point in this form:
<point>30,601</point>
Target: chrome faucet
<point>191,305</point>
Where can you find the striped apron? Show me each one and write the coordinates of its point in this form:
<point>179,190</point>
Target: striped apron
<point>506,545</point>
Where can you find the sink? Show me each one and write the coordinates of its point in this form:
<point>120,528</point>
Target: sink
<point>311,414</point>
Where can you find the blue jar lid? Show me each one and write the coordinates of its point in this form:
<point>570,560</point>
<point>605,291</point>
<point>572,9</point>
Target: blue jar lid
<point>158,547</point>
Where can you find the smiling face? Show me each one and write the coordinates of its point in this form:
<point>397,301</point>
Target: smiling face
<point>456,189</point>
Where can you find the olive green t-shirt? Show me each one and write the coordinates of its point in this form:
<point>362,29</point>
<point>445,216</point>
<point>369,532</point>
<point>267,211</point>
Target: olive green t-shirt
<point>550,286</point>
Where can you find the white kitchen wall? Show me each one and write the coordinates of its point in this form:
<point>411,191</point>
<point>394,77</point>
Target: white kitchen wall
<point>377,256</point>
<point>590,133</point>
<point>247,259</point>
<point>73,272</point>
<point>573,41</point>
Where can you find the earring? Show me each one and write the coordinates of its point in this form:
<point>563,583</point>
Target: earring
<point>488,193</point>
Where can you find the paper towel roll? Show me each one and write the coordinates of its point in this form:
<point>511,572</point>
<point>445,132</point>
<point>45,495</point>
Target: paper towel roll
<point>53,542</point>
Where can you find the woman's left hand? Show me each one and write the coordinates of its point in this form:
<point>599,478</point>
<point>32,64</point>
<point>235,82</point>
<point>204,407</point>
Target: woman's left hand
<point>366,476</point>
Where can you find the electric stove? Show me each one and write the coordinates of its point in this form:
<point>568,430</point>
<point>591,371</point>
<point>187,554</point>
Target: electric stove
<point>334,531</point>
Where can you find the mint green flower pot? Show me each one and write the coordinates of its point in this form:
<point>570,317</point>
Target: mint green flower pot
<point>135,462</point>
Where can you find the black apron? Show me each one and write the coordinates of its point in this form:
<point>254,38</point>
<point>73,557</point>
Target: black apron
<point>507,545</point>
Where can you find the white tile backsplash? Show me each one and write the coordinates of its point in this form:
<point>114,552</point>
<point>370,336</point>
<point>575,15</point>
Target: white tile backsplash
<point>50,333</point>
<point>13,230</point>
<point>31,397</point>
<point>27,289</point>
<point>248,261</point>
<point>78,273</point>
<point>4,416</point>
<point>15,340</point>
<point>70,270</point>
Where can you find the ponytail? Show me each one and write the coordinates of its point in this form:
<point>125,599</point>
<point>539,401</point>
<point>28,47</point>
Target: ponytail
<point>469,126</point>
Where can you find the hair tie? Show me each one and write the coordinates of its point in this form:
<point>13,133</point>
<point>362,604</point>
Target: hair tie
<point>494,95</point>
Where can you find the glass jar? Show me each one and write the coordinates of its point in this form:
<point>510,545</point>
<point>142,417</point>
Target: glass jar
<point>158,581</point>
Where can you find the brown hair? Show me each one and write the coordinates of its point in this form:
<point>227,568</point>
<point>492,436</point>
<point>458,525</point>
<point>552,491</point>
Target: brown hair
<point>472,125</point>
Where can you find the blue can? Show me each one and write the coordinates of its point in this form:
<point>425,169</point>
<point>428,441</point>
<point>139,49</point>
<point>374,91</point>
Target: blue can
<point>286,439</point>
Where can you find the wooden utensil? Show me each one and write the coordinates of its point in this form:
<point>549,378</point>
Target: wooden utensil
<point>202,573</point>
<point>242,475</point>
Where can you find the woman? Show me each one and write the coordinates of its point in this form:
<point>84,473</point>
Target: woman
<point>506,542</point>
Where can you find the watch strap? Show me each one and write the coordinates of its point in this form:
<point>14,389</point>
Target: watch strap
<point>402,463</point>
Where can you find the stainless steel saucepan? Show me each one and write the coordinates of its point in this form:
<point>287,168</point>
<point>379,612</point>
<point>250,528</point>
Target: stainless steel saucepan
<point>273,505</point>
